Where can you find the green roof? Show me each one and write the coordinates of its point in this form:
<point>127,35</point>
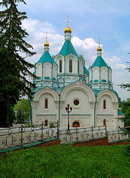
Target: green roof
<point>99,62</point>
<point>120,113</point>
<point>46,57</point>
<point>68,49</point>
<point>85,70</point>
<point>96,91</point>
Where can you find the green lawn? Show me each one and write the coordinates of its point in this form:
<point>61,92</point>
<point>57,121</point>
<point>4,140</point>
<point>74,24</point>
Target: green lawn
<point>67,161</point>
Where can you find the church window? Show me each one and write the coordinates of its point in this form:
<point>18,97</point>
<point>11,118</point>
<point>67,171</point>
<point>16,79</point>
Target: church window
<point>46,122</point>
<point>46,103</point>
<point>104,122</point>
<point>60,65</point>
<point>76,102</point>
<point>104,104</point>
<point>70,65</point>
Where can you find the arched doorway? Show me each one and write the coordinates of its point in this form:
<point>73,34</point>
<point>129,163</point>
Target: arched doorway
<point>76,124</point>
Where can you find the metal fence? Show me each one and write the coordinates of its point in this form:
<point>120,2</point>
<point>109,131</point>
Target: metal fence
<point>82,134</point>
<point>117,135</point>
<point>18,136</point>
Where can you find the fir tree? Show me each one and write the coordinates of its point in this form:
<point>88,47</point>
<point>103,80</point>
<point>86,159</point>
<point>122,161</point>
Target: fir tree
<point>14,69</point>
<point>126,85</point>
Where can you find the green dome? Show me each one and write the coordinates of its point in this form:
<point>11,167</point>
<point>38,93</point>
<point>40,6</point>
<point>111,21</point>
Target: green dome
<point>46,57</point>
<point>86,71</point>
<point>68,49</point>
<point>99,62</point>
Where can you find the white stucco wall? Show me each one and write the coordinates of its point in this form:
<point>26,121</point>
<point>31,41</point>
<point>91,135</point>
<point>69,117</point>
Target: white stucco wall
<point>81,66</point>
<point>55,70</point>
<point>104,73</point>
<point>95,73</point>
<point>110,113</point>
<point>39,113</point>
<point>39,69</point>
<point>83,113</point>
<point>47,70</point>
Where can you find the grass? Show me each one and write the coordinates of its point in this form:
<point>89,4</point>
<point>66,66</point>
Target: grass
<point>67,161</point>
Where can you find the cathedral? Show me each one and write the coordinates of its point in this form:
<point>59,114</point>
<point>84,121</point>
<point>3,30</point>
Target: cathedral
<point>63,82</point>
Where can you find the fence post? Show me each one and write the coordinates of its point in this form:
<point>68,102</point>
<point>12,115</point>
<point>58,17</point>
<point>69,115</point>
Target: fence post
<point>76,134</point>
<point>21,135</point>
<point>106,132</point>
<point>42,131</point>
<point>92,132</point>
<point>118,134</point>
<point>57,130</point>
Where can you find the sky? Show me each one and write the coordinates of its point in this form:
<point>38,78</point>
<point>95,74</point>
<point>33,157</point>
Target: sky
<point>89,20</point>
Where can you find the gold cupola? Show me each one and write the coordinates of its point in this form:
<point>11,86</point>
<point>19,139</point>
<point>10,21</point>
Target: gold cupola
<point>67,30</point>
<point>46,44</point>
<point>99,48</point>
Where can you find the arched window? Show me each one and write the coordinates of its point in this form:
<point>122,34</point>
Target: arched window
<point>104,104</point>
<point>70,65</point>
<point>46,122</point>
<point>76,124</point>
<point>46,103</point>
<point>104,122</point>
<point>60,65</point>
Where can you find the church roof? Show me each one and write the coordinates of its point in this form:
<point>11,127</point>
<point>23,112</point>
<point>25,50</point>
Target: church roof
<point>68,49</point>
<point>46,57</point>
<point>85,70</point>
<point>99,62</point>
<point>120,113</point>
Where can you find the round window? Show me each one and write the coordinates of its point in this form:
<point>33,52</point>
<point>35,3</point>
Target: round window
<point>76,102</point>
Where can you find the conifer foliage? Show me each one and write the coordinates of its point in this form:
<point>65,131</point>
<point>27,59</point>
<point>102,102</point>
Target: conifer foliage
<point>14,69</point>
<point>126,85</point>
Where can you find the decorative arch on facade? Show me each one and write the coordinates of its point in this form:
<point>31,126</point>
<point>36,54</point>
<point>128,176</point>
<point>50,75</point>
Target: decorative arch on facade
<point>43,91</point>
<point>78,86</point>
<point>107,93</point>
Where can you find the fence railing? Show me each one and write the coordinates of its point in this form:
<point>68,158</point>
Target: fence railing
<point>82,134</point>
<point>117,135</point>
<point>19,136</point>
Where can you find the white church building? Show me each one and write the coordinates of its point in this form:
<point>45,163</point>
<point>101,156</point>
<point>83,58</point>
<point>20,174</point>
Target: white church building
<point>64,80</point>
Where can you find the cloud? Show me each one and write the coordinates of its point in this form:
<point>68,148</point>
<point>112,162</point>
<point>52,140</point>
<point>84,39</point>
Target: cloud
<point>86,47</point>
<point>79,6</point>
